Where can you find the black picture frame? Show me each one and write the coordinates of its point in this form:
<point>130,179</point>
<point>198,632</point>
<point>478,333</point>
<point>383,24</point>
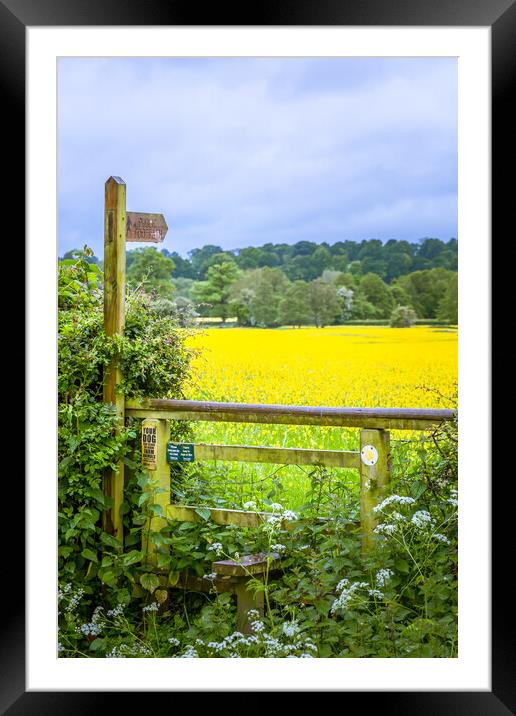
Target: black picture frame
<point>500,16</point>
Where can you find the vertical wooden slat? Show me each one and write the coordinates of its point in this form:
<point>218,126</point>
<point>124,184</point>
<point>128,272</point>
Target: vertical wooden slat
<point>374,479</point>
<point>247,600</point>
<point>114,321</point>
<point>160,486</point>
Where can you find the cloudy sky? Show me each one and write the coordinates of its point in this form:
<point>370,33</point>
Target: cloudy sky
<point>244,151</point>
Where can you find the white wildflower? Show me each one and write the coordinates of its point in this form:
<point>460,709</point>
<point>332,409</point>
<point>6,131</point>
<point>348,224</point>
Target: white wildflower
<point>290,628</point>
<point>251,505</point>
<point>272,646</point>
<point>216,547</point>
<point>273,522</point>
<point>74,601</point>
<point>257,626</point>
<point>210,576</point>
<point>346,596</point>
<point>91,629</point>
<point>398,499</point>
<point>382,576</point>
<point>153,607</point>
<point>98,614</point>
<point>278,548</point>
<point>375,593</point>
<point>216,645</point>
<point>422,519</point>
<point>289,515</point>
<point>64,590</point>
<point>342,584</point>
<point>441,538</point>
<point>173,641</point>
<point>253,614</point>
<point>190,653</point>
<point>276,507</point>
<point>385,529</point>
<point>117,611</point>
<point>398,517</point>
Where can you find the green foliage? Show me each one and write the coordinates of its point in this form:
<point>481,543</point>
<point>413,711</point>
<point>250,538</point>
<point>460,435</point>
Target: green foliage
<point>151,270</point>
<point>256,296</point>
<point>327,599</point>
<point>373,290</point>
<point>426,288</point>
<point>420,275</point>
<point>325,303</point>
<point>294,308</point>
<point>213,295</point>
<point>90,439</point>
<point>402,317</point>
<point>448,309</point>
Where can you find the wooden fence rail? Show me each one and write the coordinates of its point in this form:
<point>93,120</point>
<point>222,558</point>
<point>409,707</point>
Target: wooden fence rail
<point>379,418</point>
<point>372,460</point>
<point>278,456</point>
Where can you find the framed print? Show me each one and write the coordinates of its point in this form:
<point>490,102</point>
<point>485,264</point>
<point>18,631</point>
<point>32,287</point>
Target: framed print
<point>37,42</point>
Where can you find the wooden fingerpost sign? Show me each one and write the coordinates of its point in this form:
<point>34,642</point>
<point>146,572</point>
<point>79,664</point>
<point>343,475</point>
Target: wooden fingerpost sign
<point>121,226</point>
<point>114,322</point>
<point>150,228</point>
<point>375,476</point>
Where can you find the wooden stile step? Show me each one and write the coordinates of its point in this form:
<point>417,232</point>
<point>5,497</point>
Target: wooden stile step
<point>248,565</point>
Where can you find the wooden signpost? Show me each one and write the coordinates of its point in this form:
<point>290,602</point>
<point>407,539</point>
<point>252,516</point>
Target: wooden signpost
<point>119,226</point>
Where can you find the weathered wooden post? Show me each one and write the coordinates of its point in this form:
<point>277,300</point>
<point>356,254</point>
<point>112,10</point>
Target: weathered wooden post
<point>375,476</point>
<point>114,322</point>
<point>120,226</point>
<point>155,435</point>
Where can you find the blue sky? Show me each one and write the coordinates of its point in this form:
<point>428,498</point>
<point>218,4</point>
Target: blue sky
<point>243,151</point>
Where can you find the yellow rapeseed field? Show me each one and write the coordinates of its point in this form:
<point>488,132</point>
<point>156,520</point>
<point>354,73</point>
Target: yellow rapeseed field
<point>336,366</point>
<point>341,365</point>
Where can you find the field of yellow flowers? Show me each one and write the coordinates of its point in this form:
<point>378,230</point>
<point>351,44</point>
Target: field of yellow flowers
<point>352,366</point>
<point>341,365</point>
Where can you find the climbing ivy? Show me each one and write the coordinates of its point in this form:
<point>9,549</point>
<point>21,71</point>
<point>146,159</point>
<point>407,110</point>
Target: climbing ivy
<point>155,362</point>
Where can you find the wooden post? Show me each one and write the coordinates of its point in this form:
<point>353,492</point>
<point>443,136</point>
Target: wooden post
<point>246,600</point>
<point>155,435</point>
<point>114,321</point>
<point>375,476</point>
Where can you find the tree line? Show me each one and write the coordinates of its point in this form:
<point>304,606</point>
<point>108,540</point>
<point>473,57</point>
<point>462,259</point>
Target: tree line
<point>304,283</point>
<point>306,260</point>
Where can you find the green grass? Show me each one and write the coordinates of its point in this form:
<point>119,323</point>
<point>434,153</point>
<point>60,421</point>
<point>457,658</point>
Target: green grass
<point>230,484</point>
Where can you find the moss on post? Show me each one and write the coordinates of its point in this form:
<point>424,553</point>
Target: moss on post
<point>375,476</point>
